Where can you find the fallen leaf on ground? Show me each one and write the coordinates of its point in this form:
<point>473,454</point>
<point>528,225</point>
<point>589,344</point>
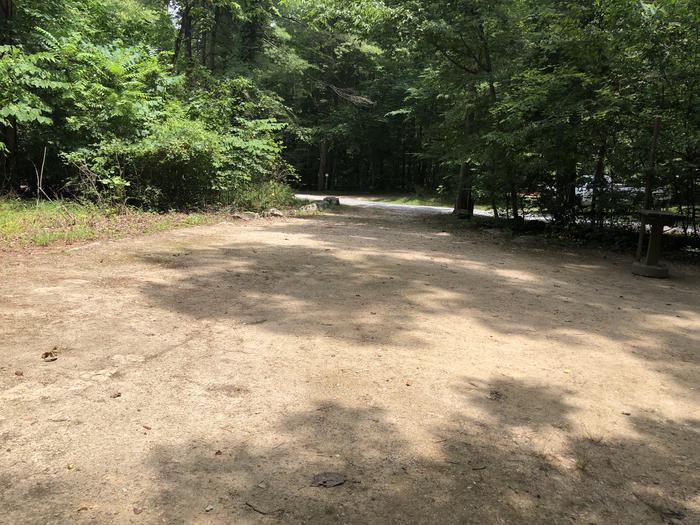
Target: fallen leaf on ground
<point>115,395</point>
<point>495,395</point>
<point>218,453</point>
<point>146,427</point>
<point>19,373</point>
<point>138,510</point>
<point>49,356</point>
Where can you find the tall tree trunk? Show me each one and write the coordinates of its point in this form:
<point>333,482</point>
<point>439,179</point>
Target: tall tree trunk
<point>464,206</point>
<point>184,34</point>
<point>187,34</point>
<point>649,180</point>
<point>211,51</point>
<point>494,206</point>
<point>9,133</point>
<point>6,12</point>
<point>202,37</point>
<point>566,192</point>
<point>322,165</point>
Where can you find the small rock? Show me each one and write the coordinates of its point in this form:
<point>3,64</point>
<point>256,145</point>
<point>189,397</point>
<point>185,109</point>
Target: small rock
<point>19,373</point>
<point>273,212</point>
<point>328,480</point>
<point>115,395</point>
<point>333,201</point>
<point>137,510</point>
<point>218,453</point>
<point>209,508</point>
<point>310,208</point>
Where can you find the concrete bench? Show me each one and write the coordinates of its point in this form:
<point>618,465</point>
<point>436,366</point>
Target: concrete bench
<point>650,266</point>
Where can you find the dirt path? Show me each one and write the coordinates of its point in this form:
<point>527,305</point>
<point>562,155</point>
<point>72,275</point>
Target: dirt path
<point>206,375</point>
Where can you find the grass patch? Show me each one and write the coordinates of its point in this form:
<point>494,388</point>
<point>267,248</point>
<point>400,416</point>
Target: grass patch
<point>416,200</point>
<point>24,224</point>
<point>77,233</point>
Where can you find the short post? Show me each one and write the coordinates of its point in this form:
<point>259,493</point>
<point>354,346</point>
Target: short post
<point>650,266</point>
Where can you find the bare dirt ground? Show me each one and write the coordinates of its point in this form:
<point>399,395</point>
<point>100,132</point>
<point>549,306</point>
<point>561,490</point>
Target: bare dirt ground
<point>206,375</point>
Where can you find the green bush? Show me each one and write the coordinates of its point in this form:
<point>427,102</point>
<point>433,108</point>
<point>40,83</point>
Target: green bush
<point>262,196</point>
<point>181,163</point>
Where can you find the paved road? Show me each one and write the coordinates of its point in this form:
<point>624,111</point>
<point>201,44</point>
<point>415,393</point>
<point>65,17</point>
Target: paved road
<point>401,208</point>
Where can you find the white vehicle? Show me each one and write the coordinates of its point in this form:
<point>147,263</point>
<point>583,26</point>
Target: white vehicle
<point>622,194</point>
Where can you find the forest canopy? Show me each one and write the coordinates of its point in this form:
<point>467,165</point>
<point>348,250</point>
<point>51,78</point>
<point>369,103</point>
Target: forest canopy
<point>579,110</point>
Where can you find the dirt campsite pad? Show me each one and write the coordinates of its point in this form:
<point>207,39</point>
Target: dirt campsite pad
<point>362,367</point>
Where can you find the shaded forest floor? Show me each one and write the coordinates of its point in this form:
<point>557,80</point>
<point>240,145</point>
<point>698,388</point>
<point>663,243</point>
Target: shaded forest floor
<point>205,375</point>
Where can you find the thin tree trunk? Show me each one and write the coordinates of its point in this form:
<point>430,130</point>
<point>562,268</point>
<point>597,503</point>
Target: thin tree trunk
<point>9,133</point>
<point>322,166</point>
<point>515,204</point>
<point>187,34</point>
<point>598,183</point>
<point>10,160</point>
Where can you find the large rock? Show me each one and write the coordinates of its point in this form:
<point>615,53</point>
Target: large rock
<point>310,208</point>
<point>332,201</point>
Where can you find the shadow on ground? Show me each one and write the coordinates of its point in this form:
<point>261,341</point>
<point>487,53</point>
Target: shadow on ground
<point>335,277</point>
<point>475,471</point>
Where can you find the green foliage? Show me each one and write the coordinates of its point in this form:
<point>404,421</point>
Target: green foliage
<point>184,103</point>
<point>24,77</point>
<point>180,162</point>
